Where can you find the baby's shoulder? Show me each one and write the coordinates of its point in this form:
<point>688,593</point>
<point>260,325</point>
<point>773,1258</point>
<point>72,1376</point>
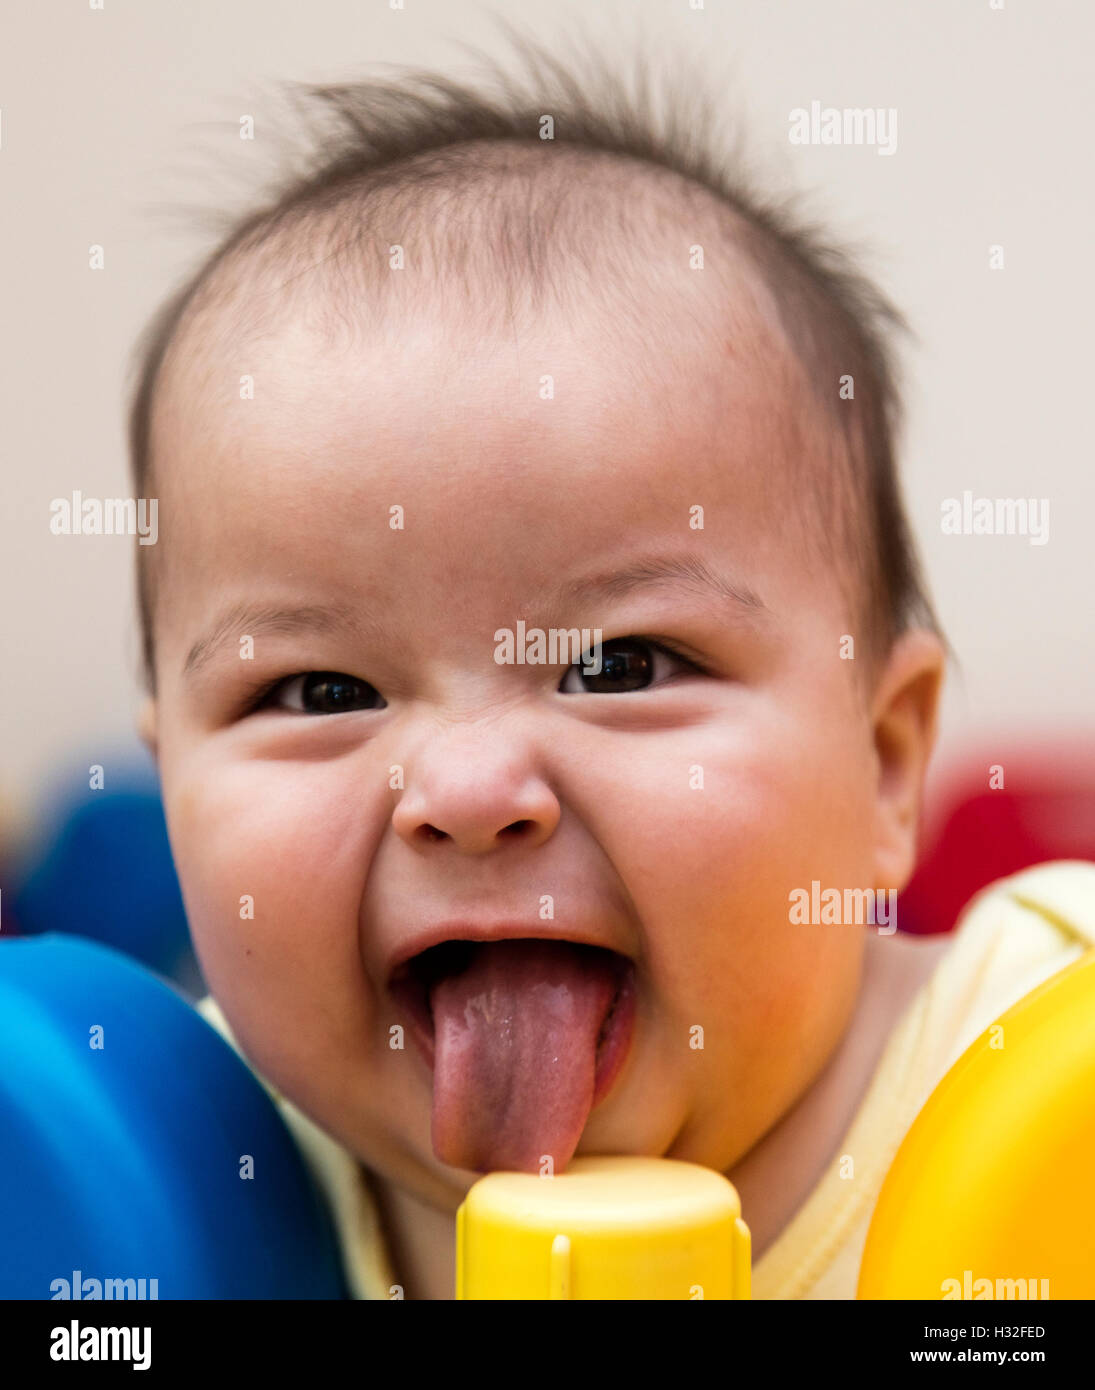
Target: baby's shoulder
<point>1011,937</point>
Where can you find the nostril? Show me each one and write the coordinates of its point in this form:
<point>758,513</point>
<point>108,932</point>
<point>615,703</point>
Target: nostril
<point>513,830</point>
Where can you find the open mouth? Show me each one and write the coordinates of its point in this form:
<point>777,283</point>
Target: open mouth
<point>523,1036</point>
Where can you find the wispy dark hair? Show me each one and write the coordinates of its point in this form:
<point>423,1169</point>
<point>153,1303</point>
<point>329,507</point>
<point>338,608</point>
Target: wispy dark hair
<point>376,139</point>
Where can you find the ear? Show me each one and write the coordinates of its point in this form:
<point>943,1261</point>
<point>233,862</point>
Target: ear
<point>904,714</point>
<point>146,724</point>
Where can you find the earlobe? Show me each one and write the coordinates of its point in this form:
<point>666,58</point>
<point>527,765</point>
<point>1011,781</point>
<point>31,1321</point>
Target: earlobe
<point>905,716</point>
<point>146,724</point>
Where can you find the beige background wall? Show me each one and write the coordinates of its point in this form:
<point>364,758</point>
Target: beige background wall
<point>108,118</point>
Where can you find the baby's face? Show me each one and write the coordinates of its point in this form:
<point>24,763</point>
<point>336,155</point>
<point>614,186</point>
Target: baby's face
<point>400,505</point>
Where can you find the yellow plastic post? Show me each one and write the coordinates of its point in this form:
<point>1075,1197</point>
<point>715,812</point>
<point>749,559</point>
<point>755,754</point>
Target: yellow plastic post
<point>607,1228</point>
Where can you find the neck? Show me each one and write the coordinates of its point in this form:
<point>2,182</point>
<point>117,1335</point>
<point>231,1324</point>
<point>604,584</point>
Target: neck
<point>421,1240</point>
<point>777,1175</point>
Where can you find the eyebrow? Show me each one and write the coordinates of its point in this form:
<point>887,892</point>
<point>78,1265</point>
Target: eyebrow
<point>263,619</point>
<point>652,572</point>
<point>686,572</point>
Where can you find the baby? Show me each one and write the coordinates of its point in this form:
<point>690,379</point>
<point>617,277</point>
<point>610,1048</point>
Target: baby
<point>469,893</point>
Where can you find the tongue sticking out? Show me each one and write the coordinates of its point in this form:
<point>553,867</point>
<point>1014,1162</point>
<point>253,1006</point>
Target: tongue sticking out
<point>515,1052</point>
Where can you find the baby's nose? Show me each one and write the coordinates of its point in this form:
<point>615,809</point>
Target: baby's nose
<point>476,790</point>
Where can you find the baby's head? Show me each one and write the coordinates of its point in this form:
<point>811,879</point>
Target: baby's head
<point>462,384</point>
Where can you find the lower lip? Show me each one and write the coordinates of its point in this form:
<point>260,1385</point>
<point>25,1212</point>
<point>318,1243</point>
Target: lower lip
<point>611,1053</point>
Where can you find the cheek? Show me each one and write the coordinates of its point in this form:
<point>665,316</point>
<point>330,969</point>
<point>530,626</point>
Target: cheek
<point>271,860</point>
<point>714,831</point>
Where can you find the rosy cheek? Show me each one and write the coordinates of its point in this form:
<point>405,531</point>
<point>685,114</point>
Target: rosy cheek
<point>273,897</point>
<point>235,866</point>
<point>274,859</point>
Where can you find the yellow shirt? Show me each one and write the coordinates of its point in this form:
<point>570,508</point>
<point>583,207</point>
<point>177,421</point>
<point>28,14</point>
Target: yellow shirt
<point>1011,937</point>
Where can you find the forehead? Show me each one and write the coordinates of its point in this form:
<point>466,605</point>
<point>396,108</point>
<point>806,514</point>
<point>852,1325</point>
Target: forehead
<point>568,440</point>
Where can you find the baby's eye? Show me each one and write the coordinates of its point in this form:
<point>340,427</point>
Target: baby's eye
<point>627,664</point>
<point>324,692</point>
